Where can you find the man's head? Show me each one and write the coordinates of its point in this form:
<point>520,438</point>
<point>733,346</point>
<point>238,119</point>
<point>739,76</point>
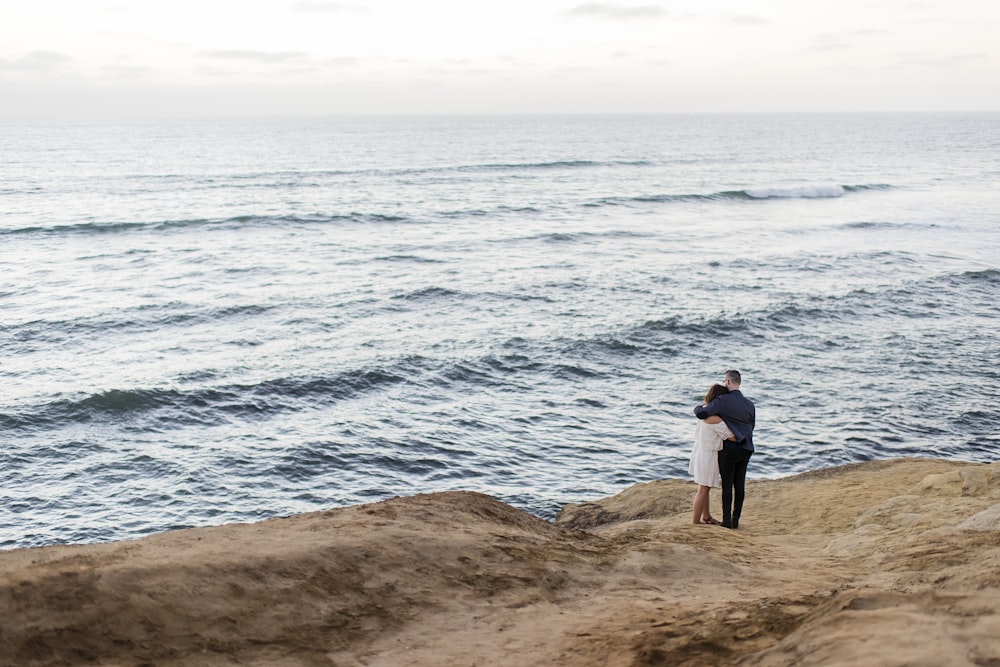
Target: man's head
<point>733,380</point>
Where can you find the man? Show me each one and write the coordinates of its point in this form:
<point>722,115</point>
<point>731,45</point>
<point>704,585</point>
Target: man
<point>740,415</point>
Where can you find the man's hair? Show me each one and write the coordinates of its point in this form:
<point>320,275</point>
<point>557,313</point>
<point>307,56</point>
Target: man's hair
<point>734,377</point>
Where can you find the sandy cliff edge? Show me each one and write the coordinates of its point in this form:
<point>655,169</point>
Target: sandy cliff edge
<point>880,563</point>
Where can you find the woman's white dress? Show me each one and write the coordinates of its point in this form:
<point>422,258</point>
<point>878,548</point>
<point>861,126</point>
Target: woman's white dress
<point>704,465</point>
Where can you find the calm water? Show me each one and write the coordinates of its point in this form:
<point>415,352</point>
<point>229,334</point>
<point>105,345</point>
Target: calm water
<point>208,322</point>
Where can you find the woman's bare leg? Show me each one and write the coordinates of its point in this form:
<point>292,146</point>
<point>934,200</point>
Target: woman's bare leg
<point>700,508</point>
<point>706,515</point>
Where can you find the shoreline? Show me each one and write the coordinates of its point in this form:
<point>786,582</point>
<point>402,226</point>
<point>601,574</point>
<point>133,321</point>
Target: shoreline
<point>882,562</point>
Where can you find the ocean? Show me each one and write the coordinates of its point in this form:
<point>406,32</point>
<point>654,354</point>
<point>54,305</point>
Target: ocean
<point>207,322</point>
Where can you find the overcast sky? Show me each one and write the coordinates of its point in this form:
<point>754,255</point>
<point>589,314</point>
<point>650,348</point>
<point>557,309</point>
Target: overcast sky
<point>153,58</point>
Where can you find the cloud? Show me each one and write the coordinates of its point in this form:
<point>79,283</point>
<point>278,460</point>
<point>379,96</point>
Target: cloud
<point>839,41</point>
<point>604,10</point>
<point>126,71</point>
<point>37,61</point>
<point>464,72</point>
<point>747,19</point>
<point>869,32</point>
<point>114,9</point>
<point>324,7</point>
<point>342,61</point>
<point>262,57</point>
<point>828,42</point>
<point>928,60</point>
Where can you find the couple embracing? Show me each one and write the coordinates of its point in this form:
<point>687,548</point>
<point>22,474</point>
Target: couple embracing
<point>722,448</point>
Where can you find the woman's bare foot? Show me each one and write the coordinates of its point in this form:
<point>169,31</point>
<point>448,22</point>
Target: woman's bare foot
<point>711,521</point>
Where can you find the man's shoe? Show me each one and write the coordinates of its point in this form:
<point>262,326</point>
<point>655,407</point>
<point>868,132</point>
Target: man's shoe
<point>727,524</point>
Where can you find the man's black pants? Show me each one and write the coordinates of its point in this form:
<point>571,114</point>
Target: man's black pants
<point>733,470</point>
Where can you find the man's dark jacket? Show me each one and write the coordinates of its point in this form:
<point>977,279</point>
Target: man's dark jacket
<point>739,414</point>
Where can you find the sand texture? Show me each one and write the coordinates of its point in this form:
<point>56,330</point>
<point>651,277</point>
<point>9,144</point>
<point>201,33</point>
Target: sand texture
<point>881,563</point>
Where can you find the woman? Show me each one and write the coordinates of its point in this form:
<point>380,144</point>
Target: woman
<point>704,467</point>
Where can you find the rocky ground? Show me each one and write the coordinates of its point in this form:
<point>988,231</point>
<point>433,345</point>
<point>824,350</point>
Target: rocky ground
<point>880,563</point>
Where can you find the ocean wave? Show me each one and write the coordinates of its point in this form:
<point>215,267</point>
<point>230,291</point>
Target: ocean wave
<point>518,372</point>
<point>872,224</point>
<point>818,191</point>
<point>828,191</point>
<point>434,292</point>
<point>239,221</point>
<point>314,177</point>
<point>869,186</point>
<point>431,292</point>
<point>157,317</point>
<point>517,364</point>
<point>163,408</point>
<point>982,276</point>
<point>578,237</point>
<point>677,326</point>
<point>416,259</point>
<point>927,298</point>
<point>554,164</point>
<point>373,218</point>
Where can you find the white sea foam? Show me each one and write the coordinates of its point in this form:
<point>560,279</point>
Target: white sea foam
<point>798,192</point>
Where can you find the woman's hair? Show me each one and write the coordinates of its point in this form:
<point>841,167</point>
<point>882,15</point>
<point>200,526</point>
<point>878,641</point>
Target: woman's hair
<point>714,391</point>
